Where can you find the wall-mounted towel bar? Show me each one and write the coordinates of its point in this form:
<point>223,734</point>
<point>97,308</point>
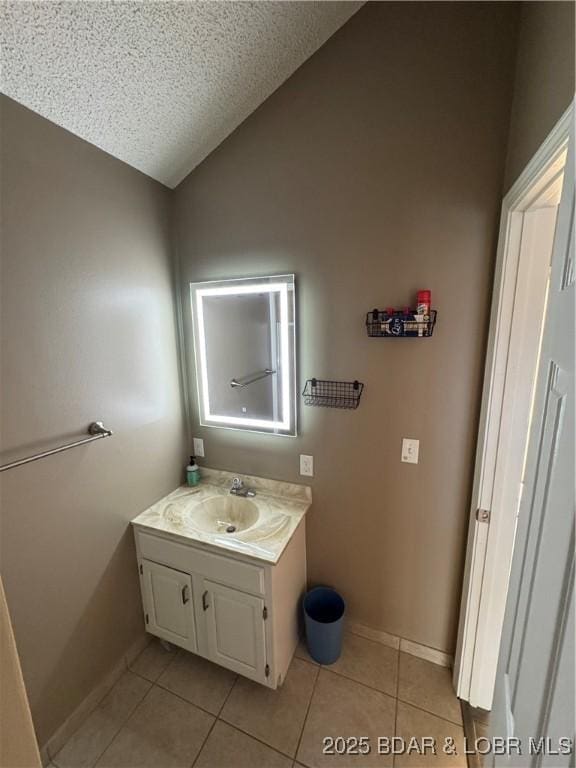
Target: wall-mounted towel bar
<point>245,380</point>
<point>96,430</point>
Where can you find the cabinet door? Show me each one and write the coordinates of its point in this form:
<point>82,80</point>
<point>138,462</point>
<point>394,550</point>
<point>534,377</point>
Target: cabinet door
<point>236,630</point>
<point>168,604</point>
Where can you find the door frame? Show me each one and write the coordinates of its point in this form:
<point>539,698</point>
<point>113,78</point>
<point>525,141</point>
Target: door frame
<point>479,631</point>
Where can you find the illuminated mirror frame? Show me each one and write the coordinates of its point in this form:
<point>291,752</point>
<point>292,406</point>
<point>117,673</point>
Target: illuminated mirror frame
<point>284,285</point>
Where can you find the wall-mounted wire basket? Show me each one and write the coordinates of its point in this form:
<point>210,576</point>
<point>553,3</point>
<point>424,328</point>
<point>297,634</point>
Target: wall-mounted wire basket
<point>387,326</point>
<point>333,394</point>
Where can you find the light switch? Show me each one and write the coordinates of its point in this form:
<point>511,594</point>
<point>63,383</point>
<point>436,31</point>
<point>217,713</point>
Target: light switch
<point>410,449</point>
<point>198,447</point>
<point>307,465</point>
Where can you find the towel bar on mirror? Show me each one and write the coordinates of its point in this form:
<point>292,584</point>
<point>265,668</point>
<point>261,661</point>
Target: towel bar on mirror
<point>245,380</point>
<point>96,430</point>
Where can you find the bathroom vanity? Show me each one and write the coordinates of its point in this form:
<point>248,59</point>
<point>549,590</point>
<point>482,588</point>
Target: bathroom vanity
<point>222,575</point>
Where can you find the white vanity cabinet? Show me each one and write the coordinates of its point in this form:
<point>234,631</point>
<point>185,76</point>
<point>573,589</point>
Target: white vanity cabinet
<point>234,610</point>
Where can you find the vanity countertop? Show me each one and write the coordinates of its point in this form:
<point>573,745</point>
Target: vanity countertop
<point>281,506</point>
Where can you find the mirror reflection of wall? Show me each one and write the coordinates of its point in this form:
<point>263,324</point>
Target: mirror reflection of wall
<point>244,353</point>
<point>238,346</point>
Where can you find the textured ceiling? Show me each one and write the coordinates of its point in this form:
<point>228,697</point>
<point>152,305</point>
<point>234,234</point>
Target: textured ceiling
<point>157,84</point>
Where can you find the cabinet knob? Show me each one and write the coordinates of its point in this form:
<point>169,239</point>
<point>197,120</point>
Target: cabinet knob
<point>185,597</point>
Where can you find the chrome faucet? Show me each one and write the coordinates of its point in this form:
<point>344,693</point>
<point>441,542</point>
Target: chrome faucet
<point>239,489</point>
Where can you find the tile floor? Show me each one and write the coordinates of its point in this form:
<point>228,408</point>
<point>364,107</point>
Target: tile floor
<point>176,710</point>
<point>476,726</point>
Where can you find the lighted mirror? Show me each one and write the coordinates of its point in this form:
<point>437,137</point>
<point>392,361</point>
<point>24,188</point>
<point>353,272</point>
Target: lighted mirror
<point>244,353</point>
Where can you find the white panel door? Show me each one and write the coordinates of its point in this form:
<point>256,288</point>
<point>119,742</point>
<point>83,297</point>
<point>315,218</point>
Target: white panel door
<point>236,630</point>
<point>527,231</point>
<point>534,696</point>
<point>168,604</point>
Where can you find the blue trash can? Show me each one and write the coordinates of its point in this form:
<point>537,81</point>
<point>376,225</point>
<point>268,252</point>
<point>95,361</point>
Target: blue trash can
<point>324,622</point>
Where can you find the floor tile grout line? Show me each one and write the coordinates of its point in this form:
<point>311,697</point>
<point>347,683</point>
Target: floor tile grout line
<point>227,696</point>
<point>359,682</point>
<point>174,654</point>
<point>417,706</point>
<point>142,677</point>
<point>391,695</point>
<point>256,738</point>
<point>341,674</point>
<point>124,722</point>
<point>127,668</point>
<point>157,684</point>
<point>307,712</point>
<point>51,757</point>
<point>87,715</point>
<point>428,712</point>
<point>170,663</point>
<point>193,763</point>
<point>184,699</point>
<point>161,687</point>
<point>396,695</point>
<point>309,660</point>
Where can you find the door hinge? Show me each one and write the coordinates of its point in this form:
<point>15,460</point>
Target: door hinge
<point>267,670</point>
<point>147,619</point>
<point>265,613</point>
<point>483,515</point>
<point>141,569</point>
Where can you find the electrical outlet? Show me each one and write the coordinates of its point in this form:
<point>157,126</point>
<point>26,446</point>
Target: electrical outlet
<point>199,447</point>
<point>307,465</point>
<point>410,449</point>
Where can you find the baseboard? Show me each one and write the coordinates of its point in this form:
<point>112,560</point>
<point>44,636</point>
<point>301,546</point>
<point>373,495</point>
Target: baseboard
<point>425,652</point>
<point>89,704</point>
<point>400,643</point>
<point>374,634</point>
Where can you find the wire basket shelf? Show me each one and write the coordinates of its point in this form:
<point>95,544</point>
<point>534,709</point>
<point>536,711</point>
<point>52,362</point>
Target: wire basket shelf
<point>382,325</point>
<point>332,394</point>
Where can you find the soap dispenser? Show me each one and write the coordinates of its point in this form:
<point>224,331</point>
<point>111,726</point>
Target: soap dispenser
<point>192,472</point>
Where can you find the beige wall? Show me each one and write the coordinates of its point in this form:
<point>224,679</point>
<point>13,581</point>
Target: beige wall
<point>544,85</point>
<point>87,332</point>
<point>374,171</point>
<point>18,748</point>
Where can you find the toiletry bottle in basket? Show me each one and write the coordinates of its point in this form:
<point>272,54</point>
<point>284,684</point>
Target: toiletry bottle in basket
<point>423,303</point>
<point>397,324</point>
<point>410,327</point>
<point>423,311</point>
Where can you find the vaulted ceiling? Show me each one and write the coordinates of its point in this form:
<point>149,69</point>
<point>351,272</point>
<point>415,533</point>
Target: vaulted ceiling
<point>157,84</point>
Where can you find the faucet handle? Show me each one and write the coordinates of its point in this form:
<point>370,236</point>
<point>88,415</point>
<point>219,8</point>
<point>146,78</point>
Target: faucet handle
<point>237,484</point>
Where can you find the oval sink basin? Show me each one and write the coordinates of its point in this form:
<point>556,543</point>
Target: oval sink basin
<point>225,514</point>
